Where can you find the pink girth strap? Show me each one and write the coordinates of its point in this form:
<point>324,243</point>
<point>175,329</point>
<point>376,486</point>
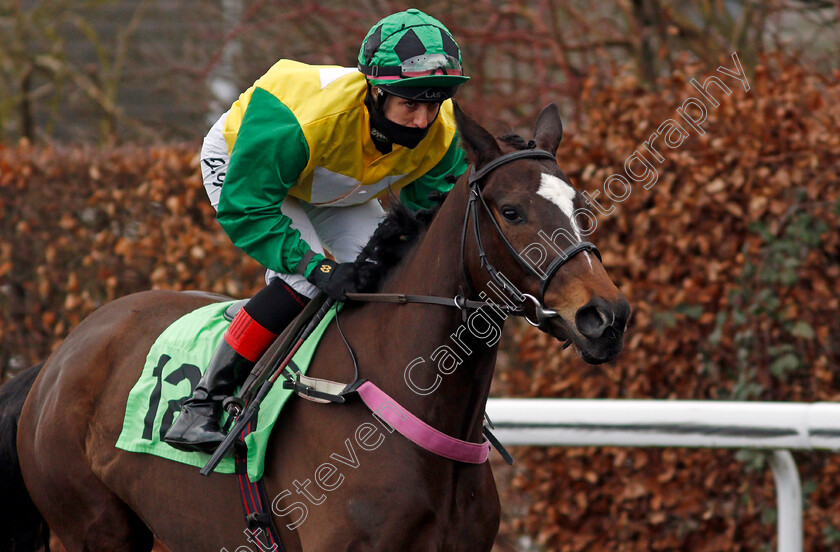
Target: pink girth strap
<point>418,431</point>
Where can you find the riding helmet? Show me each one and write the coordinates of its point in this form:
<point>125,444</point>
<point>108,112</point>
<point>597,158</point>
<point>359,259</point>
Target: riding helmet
<point>412,55</point>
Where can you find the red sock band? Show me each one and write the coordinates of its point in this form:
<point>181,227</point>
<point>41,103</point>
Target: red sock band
<point>248,337</point>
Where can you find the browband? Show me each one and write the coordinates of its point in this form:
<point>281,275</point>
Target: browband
<point>507,158</point>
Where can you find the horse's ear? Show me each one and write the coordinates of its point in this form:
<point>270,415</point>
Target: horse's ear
<point>548,130</point>
<point>480,145</point>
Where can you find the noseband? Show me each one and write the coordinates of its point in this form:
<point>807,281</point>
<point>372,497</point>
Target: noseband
<point>519,299</point>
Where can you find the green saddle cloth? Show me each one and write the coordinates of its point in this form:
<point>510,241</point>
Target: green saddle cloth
<point>174,366</point>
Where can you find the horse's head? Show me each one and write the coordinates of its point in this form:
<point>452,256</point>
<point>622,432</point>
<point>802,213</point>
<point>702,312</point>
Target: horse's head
<point>532,227</point>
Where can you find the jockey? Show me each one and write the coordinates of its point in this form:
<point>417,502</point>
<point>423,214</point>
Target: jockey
<point>304,156</point>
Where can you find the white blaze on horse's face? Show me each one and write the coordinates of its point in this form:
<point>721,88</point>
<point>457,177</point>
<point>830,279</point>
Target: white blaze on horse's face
<point>561,194</point>
<point>558,192</point>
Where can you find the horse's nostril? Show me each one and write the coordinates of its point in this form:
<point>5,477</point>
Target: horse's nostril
<point>591,321</point>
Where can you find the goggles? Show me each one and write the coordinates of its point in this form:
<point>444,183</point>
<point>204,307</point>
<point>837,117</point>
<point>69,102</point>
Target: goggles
<point>418,66</point>
<point>430,64</point>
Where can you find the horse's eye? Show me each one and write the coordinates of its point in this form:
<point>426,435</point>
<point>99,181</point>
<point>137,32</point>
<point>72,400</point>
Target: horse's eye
<point>511,214</point>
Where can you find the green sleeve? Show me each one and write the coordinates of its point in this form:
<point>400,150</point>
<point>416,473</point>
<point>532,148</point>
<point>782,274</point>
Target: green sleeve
<point>269,154</point>
<point>416,195</point>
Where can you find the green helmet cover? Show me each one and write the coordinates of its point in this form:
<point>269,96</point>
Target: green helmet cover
<point>411,49</point>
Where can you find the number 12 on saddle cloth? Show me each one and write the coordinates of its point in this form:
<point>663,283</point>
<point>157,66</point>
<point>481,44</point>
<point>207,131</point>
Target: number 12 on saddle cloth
<point>174,366</point>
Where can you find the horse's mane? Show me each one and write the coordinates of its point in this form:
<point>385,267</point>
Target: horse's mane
<point>517,141</point>
<point>394,237</point>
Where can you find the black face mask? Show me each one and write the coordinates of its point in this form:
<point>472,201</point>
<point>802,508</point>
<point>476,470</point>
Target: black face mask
<point>408,137</point>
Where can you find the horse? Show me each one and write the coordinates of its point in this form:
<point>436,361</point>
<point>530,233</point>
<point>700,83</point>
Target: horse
<point>436,360</point>
<point>22,528</point>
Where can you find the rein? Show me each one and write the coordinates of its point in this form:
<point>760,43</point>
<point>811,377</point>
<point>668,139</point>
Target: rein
<point>417,431</point>
<point>407,424</point>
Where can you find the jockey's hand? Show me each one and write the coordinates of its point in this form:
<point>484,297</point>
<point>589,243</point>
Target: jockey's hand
<point>334,279</point>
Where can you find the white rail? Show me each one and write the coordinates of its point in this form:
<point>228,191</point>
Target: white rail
<point>696,424</point>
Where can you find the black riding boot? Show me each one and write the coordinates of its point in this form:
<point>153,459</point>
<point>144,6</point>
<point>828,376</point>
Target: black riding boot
<point>252,331</point>
<point>197,427</point>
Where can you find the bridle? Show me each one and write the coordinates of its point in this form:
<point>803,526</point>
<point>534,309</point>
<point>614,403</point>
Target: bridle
<point>318,390</point>
<point>519,299</point>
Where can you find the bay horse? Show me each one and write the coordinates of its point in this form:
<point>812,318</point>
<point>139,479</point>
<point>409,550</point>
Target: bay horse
<point>395,496</point>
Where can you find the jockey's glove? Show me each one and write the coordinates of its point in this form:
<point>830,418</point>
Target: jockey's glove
<point>334,279</point>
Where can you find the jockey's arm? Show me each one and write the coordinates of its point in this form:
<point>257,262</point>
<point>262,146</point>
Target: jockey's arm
<point>269,153</point>
<point>416,195</point>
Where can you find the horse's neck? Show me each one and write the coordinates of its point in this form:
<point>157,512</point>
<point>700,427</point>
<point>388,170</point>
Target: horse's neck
<point>435,339</point>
